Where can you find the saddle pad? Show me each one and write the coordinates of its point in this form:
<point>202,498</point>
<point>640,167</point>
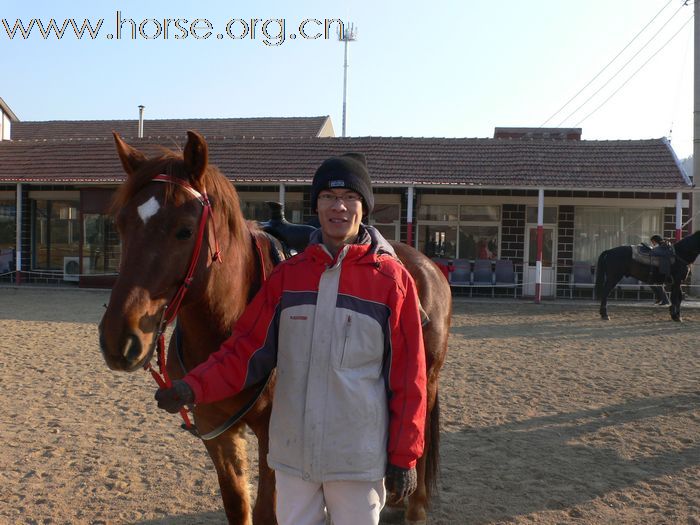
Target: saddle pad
<point>641,254</point>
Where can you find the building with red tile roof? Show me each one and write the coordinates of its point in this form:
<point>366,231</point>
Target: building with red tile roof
<point>453,198</point>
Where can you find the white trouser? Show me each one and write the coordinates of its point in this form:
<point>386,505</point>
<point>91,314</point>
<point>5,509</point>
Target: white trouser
<point>300,502</point>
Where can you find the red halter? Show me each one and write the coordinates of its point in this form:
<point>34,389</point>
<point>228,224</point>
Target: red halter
<point>170,311</point>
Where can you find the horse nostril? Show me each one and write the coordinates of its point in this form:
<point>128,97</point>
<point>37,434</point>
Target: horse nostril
<point>132,348</point>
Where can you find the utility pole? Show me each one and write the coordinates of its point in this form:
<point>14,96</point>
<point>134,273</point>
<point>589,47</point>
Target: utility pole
<point>346,34</point>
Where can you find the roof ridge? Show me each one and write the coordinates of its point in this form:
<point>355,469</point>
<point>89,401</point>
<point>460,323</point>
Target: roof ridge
<point>200,119</point>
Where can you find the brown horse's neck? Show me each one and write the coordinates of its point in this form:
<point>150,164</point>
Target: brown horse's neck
<point>207,317</point>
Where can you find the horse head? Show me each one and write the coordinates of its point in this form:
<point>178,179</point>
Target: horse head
<point>162,212</point>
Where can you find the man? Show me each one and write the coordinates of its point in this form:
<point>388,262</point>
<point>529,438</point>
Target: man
<point>657,240</point>
<point>661,248</point>
<point>341,324</point>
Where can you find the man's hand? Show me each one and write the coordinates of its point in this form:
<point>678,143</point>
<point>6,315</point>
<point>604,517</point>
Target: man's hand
<point>399,482</point>
<point>174,398</point>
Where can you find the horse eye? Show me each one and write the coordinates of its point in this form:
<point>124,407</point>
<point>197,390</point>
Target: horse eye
<point>184,233</point>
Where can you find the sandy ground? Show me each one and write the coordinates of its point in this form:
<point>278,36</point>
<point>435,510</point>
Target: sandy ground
<point>550,416</point>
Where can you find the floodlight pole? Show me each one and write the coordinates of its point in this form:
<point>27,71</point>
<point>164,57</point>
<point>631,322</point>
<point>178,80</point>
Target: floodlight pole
<point>696,102</point>
<point>695,194</point>
<point>345,35</point>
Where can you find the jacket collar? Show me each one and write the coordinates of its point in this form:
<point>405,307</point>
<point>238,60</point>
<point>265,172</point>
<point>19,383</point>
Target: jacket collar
<point>368,242</point>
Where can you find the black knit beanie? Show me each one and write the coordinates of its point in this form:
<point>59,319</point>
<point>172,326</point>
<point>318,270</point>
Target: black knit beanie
<point>347,171</point>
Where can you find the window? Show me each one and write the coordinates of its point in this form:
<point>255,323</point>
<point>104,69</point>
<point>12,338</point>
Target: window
<point>8,230</point>
<point>547,247</point>
<point>386,216</point>
<point>597,229</point>
<point>479,213</point>
<point>459,231</point>
<point>56,233</point>
<point>478,242</point>
<point>7,237</point>
<point>549,215</point>
<point>437,212</point>
<point>438,240</point>
<point>101,245</point>
<point>254,205</point>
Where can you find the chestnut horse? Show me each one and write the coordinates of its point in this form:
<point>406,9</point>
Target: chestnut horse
<point>159,212</point>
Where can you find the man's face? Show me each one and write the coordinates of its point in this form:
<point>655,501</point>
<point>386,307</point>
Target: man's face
<point>340,215</point>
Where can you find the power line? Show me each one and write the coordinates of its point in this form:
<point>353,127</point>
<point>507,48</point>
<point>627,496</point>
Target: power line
<point>637,71</point>
<point>623,67</point>
<point>608,65</point>
<point>678,87</point>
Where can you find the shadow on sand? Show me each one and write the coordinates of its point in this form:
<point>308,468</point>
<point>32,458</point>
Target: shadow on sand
<point>532,465</point>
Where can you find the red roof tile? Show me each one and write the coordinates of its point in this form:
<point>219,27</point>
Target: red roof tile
<point>480,163</point>
<point>173,128</point>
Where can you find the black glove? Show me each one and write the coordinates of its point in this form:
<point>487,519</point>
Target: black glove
<point>174,398</point>
<point>400,482</point>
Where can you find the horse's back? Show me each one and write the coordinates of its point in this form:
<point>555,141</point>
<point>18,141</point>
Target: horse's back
<point>617,251</point>
<point>433,288</point>
<point>435,298</point>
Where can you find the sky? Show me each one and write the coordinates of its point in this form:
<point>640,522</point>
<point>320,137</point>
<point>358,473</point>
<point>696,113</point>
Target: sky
<point>416,69</point>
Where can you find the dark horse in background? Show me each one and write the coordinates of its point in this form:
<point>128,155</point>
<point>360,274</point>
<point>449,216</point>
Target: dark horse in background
<point>159,217</point>
<point>616,263</point>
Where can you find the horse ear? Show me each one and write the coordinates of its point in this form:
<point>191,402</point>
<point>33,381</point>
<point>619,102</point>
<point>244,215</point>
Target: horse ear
<point>196,155</point>
<point>131,157</point>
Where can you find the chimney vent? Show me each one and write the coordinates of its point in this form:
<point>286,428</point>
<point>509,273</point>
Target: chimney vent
<point>141,108</point>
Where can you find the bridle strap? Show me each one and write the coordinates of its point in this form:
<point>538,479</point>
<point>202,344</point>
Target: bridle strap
<point>203,198</point>
<point>170,311</point>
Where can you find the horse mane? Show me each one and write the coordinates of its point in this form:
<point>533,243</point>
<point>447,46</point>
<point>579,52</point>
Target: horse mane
<point>220,191</point>
<point>689,247</point>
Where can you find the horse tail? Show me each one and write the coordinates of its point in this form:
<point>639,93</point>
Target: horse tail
<point>600,274</point>
<point>432,452</point>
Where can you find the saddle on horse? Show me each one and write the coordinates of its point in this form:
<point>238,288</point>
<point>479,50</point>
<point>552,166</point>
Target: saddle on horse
<point>661,257</point>
<point>293,237</point>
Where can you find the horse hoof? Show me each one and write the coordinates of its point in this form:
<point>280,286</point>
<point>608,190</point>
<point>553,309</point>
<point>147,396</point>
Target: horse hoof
<point>605,317</point>
<point>677,319</point>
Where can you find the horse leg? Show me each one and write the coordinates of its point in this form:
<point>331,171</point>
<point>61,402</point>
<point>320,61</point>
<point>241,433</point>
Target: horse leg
<point>604,303</point>
<point>228,452</point>
<point>264,509</point>
<point>416,511</point>
<point>676,298</point>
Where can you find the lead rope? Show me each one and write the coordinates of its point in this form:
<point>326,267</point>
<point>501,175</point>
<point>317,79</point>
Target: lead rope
<point>162,377</point>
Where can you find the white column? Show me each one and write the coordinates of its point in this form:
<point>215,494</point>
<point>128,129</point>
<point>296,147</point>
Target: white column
<point>18,233</point>
<point>540,239</point>
<point>281,195</point>
<point>409,217</point>
<point>679,215</point>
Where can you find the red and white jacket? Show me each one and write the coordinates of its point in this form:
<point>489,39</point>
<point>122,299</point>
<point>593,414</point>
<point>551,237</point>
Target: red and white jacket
<point>345,335</point>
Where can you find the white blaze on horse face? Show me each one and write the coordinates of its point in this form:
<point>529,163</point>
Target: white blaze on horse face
<point>148,209</point>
